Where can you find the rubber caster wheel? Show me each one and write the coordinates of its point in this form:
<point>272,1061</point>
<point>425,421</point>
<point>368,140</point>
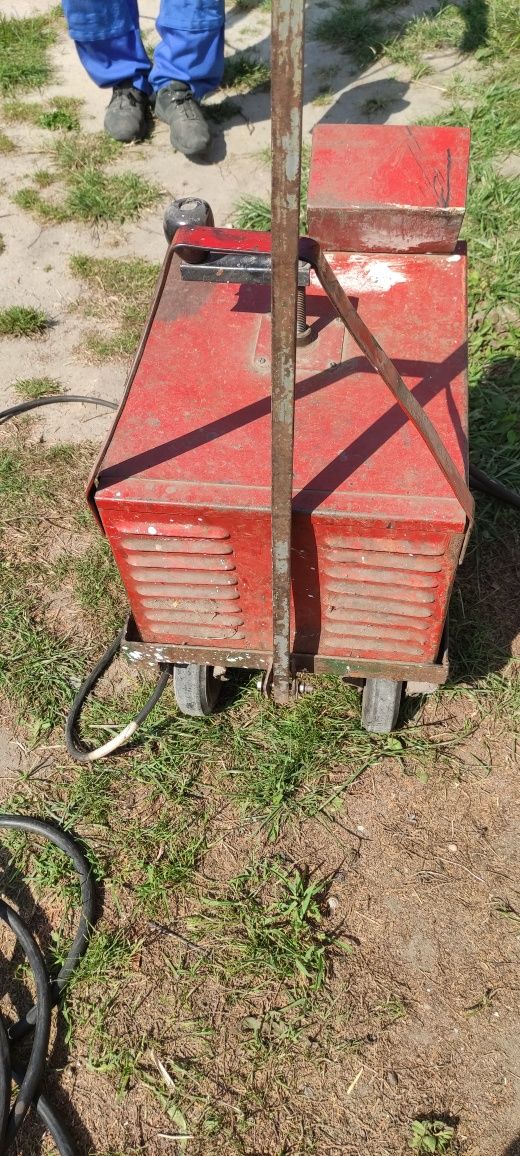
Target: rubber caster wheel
<point>381,702</point>
<point>196,689</point>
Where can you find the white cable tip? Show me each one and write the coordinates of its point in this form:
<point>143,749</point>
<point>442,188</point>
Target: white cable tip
<point>114,743</point>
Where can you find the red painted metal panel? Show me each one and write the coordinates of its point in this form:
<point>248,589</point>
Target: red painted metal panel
<point>195,427</point>
<point>184,486</point>
<point>391,188</point>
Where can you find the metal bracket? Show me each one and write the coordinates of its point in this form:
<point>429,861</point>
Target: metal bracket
<point>310,250</point>
<point>238,269</point>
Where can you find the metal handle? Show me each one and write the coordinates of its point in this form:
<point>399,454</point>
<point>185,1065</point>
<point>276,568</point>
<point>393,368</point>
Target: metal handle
<point>287,29</point>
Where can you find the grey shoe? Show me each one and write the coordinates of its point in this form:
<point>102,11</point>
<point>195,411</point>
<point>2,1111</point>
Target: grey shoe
<point>126,116</point>
<point>189,132</point>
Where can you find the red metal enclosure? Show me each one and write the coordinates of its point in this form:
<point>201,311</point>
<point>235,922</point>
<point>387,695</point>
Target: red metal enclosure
<point>389,188</point>
<point>183,486</point>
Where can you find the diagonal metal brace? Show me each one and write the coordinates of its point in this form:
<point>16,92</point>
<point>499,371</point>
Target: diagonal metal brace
<point>309,250</point>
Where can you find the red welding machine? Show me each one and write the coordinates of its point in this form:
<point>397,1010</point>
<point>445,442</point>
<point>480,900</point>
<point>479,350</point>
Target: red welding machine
<point>380,505</point>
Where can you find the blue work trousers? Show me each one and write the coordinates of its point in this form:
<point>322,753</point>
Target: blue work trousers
<point>109,45</point>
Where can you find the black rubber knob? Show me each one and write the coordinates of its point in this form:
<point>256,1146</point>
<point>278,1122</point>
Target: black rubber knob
<point>186,211</point>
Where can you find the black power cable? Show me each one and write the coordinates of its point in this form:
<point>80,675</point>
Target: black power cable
<point>75,747</point>
<point>48,993</point>
<point>59,399</point>
<point>478,480</point>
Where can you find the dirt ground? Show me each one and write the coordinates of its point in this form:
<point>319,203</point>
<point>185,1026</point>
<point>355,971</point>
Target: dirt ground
<point>422,1015</point>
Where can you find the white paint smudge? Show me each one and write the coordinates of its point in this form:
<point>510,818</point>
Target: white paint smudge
<point>368,275</point>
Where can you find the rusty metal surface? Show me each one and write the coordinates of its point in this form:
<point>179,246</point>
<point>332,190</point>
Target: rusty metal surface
<point>287,26</point>
<point>309,250</point>
<point>391,188</point>
<point>433,672</point>
<point>152,654</point>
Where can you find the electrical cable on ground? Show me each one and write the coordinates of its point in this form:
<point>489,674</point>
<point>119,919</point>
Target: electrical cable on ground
<point>48,993</point>
<point>478,480</point>
<point>75,747</point>
<point>57,399</point>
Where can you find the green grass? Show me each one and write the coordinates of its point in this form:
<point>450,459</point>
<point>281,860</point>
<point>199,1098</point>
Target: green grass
<point>106,968</point>
<point>324,97</point>
<point>60,113</point>
<point>22,321</point>
<point>97,586</point>
<point>431,1137</point>
<point>61,118</point>
<point>120,290</point>
<point>35,665</point>
<point>43,178</point>
<point>392,1010</point>
<point>252,5</point>
<point>39,661</point>
<point>32,388</point>
<point>491,229</point>
<point>6,144</point>
<point>24,52</point>
<point>245,72</point>
<point>96,196</point>
<point>252,213</point>
<point>255,212</point>
<point>269,924</point>
<point>86,192</point>
<point>364,33</point>
<point>156,877</point>
<point>352,29</point>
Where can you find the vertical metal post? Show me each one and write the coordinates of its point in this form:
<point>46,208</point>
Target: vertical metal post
<point>287,28</point>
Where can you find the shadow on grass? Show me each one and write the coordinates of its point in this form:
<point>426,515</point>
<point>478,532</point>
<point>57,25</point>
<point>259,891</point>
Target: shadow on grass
<point>361,35</point>
<point>513,1149</point>
<point>485,607</point>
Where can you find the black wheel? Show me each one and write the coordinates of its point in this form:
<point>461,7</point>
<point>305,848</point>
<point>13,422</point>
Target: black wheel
<point>196,689</point>
<point>381,702</point>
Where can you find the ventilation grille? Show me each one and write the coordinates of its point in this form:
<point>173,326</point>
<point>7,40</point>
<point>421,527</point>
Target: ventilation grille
<point>380,597</point>
<point>184,584</point>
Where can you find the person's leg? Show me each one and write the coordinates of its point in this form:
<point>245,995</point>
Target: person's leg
<point>195,58</point>
<point>117,60</point>
<point>109,45</point>
<point>188,63</point>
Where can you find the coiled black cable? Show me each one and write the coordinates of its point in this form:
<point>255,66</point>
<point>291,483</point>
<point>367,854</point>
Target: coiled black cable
<point>75,747</point>
<point>48,993</point>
